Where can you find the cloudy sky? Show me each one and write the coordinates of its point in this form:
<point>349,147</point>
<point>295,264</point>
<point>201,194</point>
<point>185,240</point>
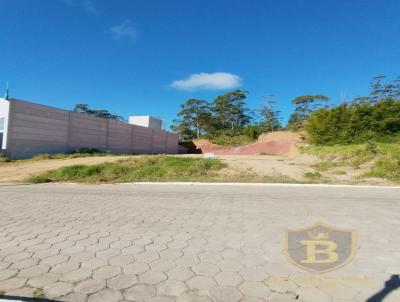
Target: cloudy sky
<point>148,56</point>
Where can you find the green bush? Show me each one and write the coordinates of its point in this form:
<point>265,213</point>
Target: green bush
<point>355,123</point>
<point>252,131</point>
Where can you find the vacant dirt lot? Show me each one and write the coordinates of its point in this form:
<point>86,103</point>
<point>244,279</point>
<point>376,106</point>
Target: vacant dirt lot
<point>300,167</point>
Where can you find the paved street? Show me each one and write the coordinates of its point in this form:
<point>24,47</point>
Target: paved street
<point>190,243</point>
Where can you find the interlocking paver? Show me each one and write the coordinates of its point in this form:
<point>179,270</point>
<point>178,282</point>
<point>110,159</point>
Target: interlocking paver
<point>281,285</point>
<point>65,267</point>
<point>7,273</point>
<point>58,289</point>
<point>140,293</point>
<point>34,271</point>
<point>206,269</point>
<point>225,294</point>
<point>136,268</point>
<point>255,289</point>
<point>171,288</point>
<point>12,283</point>
<point>201,282</point>
<point>77,275</point>
<point>162,265</point>
<point>152,277</point>
<point>74,297</point>
<point>313,294</point>
<point>94,263</point>
<point>253,274</point>
<point>180,273</point>
<point>122,281</point>
<point>228,278</point>
<point>54,260</point>
<point>43,280</point>
<point>139,243</point>
<point>90,286</point>
<point>121,260</point>
<point>106,272</point>
<point>106,295</point>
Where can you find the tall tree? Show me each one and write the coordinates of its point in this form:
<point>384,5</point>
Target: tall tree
<point>381,90</point>
<point>270,119</point>
<point>194,117</point>
<point>305,104</point>
<point>230,111</point>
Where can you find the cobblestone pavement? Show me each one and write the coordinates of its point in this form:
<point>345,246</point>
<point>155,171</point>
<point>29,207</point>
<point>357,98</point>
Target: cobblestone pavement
<point>189,243</point>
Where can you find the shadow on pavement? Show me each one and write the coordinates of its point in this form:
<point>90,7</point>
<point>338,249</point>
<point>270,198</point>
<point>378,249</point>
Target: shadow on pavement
<point>390,285</point>
<point>23,299</point>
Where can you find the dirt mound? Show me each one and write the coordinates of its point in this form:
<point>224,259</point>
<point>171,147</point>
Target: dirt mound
<point>275,143</point>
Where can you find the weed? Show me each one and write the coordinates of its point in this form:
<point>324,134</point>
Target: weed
<point>38,294</point>
<point>313,175</point>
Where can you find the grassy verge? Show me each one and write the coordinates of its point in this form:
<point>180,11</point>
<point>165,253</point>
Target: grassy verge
<point>153,168</point>
<point>383,158</point>
<point>146,168</point>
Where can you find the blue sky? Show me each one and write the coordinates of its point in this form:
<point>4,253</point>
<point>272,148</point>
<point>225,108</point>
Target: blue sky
<point>147,56</point>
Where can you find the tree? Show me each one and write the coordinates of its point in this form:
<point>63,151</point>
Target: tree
<point>103,113</point>
<point>305,104</point>
<point>270,119</point>
<point>194,117</point>
<point>381,90</point>
<point>230,112</point>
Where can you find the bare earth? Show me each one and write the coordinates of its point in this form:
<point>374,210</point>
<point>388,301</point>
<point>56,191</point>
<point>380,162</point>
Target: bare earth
<point>293,167</point>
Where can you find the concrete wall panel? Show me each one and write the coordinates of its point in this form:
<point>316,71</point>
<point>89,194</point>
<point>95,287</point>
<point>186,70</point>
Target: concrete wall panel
<point>35,128</point>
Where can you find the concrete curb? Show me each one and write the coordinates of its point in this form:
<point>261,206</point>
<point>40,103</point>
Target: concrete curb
<point>261,185</point>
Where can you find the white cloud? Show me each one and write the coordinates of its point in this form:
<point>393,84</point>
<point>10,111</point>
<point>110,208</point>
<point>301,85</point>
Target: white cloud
<point>124,30</point>
<point>209,81</point>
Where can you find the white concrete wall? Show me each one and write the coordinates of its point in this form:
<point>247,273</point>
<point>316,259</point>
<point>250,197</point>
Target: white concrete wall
<point>4,113</point>
<point>145,121</point>
<point>35,128</point>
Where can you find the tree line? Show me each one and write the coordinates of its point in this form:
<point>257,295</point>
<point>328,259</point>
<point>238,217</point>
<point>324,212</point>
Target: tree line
<point>227,114</point>
<point>372,117</point>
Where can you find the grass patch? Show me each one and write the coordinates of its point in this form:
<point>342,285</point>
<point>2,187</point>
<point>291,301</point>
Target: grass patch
<point>313,175</point>
<point>383,157</point>
<point>342,155</point>
<point>38,293</point>
<point>4,159</point>
<point>147,168</point>
<point>227,140</point>
<point>386,166</point>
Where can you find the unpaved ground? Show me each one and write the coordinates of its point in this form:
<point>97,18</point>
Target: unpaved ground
<point>274,143</point>
<point>18,171</point>
<point>292,167</point>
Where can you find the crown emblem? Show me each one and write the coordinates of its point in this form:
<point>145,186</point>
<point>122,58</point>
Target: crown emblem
<point>318,235</point>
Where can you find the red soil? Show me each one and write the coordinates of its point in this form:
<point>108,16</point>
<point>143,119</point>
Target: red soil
<point>276,143</point>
